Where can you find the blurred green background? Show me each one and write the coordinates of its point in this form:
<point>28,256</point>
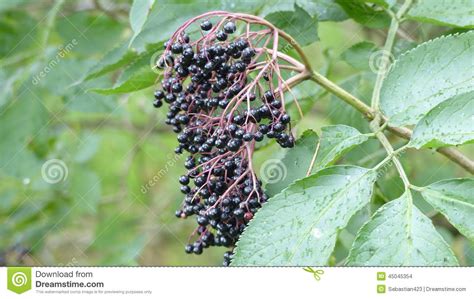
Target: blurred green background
<point>113,197</point>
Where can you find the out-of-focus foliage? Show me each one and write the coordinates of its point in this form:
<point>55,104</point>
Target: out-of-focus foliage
<point>87,170</point>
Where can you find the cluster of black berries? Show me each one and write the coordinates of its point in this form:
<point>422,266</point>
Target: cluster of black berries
<point>219,118</point>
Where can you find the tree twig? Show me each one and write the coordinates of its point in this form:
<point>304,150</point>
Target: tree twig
<point>451,153</point>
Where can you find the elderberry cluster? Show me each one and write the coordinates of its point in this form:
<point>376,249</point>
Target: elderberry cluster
<point>219,119</point>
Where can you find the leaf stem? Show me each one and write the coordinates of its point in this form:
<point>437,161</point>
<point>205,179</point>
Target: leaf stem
<point>313,159</point>
<point>373,156</point>
<point>389,149</point>
<point>385,64</point>
<point>416,188</point>
<point>50,20</point>
<point>389,157</point>
<point>387,53</point>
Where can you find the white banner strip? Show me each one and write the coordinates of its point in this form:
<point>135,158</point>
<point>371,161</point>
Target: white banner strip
<point>230,283</point>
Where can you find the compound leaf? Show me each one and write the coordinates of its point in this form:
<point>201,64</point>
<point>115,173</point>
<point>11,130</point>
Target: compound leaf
<point>139,74</point>
<point>449,123</point>
<point>113,60</point>
<point>138,14</point>
<point>400,235</point>
<point>454,199</point>
<point>298,23</point>
<point>299,226</point>
<point>335,141</point>
<point>458,13</point>
<point>365,14</point>
<point>426,76</point>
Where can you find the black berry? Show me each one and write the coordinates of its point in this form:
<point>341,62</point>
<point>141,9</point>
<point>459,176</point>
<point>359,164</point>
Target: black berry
<point>206,25</point>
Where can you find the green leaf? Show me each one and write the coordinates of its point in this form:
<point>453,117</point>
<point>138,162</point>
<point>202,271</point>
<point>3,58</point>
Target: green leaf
<point>278,174</point>
<point>449,123</point>
<point>335,142</point>
<point>426,76</point>
<point>50,20</point>
<point>454,199</point>
<point>323,10</point>
<point>139,14</point>
<point>365,14</point>
<point>361,55</point>
<point>358,56</point>
<point>138,75</point>
<point>400,235</point>
<point>112,61</point>
<point>299,226</point>
<point>167,16</point>
<point>298,23</point>
<point>444,12</point>
<point>140,79</point>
